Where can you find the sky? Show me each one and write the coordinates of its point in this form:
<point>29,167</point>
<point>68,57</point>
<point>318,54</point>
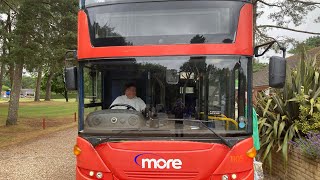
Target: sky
<point>308,25</point>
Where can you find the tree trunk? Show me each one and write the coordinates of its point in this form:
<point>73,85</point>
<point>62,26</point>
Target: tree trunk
<point>2,69</point>
<point>48,86</point>
<point>11,74</point>
<point>38,85</point>
<point>66,95</point>
<point>15,96</point>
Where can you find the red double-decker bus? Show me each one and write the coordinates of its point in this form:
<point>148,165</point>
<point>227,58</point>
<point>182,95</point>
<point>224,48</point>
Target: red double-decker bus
<point>190,63</point>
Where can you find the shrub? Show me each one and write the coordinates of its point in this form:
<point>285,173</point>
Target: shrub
<point>309,145</point>
<point>285,111</point>
<point>308,121</point>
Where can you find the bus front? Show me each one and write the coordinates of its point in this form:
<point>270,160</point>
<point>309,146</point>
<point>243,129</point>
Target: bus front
<point>191,64</point>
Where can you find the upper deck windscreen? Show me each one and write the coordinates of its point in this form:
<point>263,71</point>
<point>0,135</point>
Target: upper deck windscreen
<point>170,22</point>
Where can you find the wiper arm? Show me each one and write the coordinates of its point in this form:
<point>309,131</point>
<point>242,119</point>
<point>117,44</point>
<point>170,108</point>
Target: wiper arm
<point>223,140</point>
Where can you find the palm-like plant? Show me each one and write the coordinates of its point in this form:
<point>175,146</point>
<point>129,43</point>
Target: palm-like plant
<point>279,113</point>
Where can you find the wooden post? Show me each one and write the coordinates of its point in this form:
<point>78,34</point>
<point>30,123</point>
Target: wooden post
<point>43,123</point>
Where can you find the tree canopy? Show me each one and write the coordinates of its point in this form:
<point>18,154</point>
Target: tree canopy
<point>286,15</point>
<point>311,42</point>
<point>34,35</point>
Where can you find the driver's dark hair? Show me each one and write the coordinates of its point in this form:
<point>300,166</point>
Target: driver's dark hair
<point>128,85</point>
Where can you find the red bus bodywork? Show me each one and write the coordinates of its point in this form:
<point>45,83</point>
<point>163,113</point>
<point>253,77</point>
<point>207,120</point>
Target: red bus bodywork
<point>202,161</point>
<point>205,161</point>
<point>242,46</point>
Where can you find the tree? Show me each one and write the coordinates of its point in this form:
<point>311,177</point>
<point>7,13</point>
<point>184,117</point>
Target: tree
<point>308,44</point>
<point>2,69</point>
<point>7,17</point>
<point>57,84</point>
<point>23,46</point>
<point>282,13</point>
<point>257,66</point>
<point>63,36</point>
<point>38,84</point>
<point>27,82</point>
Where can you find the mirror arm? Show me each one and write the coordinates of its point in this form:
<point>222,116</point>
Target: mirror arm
<point>269,46</point>
<point>282,48</point>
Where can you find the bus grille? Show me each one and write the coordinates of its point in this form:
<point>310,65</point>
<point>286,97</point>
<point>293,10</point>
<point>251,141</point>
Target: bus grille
<point>135,175</point>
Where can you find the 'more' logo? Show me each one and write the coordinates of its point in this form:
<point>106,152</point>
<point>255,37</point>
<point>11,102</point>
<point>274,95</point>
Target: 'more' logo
<point>155,161</point>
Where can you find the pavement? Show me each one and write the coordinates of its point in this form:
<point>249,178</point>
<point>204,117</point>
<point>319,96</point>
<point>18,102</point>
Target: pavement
<point>47,157</point>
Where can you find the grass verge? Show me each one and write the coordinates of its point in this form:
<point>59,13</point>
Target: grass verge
<point>58,115</point>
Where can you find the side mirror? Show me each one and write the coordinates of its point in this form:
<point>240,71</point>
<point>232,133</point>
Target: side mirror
<point>71,79</point>
<point>277,72</point>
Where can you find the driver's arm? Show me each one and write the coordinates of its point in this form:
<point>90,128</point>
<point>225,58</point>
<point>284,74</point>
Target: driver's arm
<point>142,104</point>
<point>117,101</point>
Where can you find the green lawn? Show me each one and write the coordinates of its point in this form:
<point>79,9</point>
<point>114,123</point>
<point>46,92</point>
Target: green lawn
<point>51,109</point>
<point>58,114</point>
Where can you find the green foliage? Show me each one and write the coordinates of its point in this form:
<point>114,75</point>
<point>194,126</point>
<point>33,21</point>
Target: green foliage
<point>309,43</point>
<point>309,118</point>
<point>280,113</point>
<point>6,81</point>
<point>57,83</point>
<point>258,66</point>
<point>276,124</point>
<point>5,88</point>
<point>28,82</point>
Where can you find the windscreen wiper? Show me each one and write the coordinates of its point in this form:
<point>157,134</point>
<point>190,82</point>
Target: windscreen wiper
<point>197,120</point>
<point>222,139</point>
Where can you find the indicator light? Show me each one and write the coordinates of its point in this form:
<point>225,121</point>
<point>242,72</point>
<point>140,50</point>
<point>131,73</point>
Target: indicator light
<point>76,150</point>
<point>252,152</point>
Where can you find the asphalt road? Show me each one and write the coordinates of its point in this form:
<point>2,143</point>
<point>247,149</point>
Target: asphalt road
<point>48,157</point>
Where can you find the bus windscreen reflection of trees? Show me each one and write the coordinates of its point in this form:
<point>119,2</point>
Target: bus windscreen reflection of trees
<point>106,36</point>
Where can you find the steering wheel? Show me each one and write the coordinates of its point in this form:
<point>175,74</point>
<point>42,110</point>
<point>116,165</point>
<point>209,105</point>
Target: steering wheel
<point>126,105</point>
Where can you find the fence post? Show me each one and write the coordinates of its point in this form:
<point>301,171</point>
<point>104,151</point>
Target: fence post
<point>44,123</point>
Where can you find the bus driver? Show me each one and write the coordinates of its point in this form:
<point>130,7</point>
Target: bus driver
<point>129,98</point>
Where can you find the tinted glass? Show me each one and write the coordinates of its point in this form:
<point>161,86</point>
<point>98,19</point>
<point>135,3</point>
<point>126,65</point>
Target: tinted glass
<point>171,22</point>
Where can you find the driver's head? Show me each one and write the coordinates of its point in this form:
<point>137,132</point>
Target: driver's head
<point>130,90</point>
